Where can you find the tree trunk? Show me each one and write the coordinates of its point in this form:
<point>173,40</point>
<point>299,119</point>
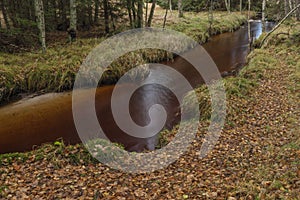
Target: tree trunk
<point>286,7</point>
<point>241,5</point>
<point>165,17</point>
<point>146,14</point>
<point>39,10</point>
<point>90,13</point>
<point>151,13</point>
<point>63,12</point>
<point>106,15</point>
<point>227,4</point>
<point>96,17</point>
<point>129,4</point>
<point>290,4</point>
<point>4,13</point>
<point>263,11</point>
<point>112,18</point>
<point>249,25</point>
<point>73,15</point>
<point>54,13</point>
<point>170,6</point>
<point>133,12</point>
<point>298,10</point>
<point>180,12</point>
<point>140,14</point>
<point>210,16</point>
<point>11,13</point>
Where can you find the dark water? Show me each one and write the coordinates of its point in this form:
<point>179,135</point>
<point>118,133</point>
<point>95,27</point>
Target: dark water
<point>48,117</point>
<point>229,50</point>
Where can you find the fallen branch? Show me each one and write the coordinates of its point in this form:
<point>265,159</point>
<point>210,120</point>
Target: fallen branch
<point>269,33</point>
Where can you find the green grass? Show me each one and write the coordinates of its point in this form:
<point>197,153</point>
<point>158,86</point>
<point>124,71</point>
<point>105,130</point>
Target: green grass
<point>196,25</point>
<point>57,154</point>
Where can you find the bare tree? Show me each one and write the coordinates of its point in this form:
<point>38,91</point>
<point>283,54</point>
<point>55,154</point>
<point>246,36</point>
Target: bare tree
<point>227,4</point>
<point>73,15</point>
<point>146,14</point>
<point>290,4</point>
<point>298,10</point>
<point>249,25</point>
<point>180,11</point>
<point>286,7</point>
<point>39,12</point>
<point>4,13</point>
<point>263,11</point>
<point>241,5</point>
<point>129,9</point>
<point>96,16</point>
<point>151,13</point>
<point>140,14</point>
<point>210,16</point>
<point>106,15</point>
<point>165,17</point>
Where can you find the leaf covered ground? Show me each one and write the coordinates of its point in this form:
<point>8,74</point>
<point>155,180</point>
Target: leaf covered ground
<point>256,157</point>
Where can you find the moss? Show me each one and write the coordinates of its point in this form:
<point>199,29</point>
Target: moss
<point>197,25</point>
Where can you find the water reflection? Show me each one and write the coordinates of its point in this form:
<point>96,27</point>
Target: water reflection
<point>229,50</point>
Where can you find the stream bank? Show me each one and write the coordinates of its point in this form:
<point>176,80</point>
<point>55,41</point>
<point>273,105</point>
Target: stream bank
<point>256,157</point>
<point>26,73</point>
<point>23,123</point>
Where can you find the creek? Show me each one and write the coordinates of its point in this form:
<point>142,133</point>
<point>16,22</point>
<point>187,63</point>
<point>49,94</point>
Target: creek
<point>46,118</point>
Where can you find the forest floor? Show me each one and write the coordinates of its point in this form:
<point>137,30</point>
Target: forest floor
<point>256,157</point>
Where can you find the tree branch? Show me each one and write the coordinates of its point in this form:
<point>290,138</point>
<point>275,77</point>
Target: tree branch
<point>269,33</point>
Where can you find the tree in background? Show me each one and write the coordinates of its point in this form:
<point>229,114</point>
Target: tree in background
<point>21,24</point>
<point>73,15</point>
<point>228,5</point>
<point>39,10</point>
<point>210,15</point>
<point>241,6</point>
<point>263,8</point>
<point>140,4</point>
<point>297,2</point>
<point>249,27</point>
<point>4,13</point>
<point>151,13</point>
<point>180,9</point>
<point>106,15</point>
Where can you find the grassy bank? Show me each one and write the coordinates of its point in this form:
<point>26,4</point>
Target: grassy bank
<point>197,25</point>
<point>55,70</point>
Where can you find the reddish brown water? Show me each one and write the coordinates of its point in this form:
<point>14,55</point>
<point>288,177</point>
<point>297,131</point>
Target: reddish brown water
<point>49,117</point>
